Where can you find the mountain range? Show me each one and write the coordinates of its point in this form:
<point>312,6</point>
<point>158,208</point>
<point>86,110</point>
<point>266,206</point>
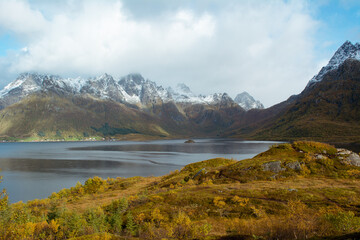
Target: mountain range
<point>131,89</point>
<point>40,106</point>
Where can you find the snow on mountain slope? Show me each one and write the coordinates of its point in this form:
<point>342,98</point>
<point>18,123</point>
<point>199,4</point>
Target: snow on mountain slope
<point>183,94</point>
<point>247,102</point>
<point>346,51</point>
<point>132,88</point>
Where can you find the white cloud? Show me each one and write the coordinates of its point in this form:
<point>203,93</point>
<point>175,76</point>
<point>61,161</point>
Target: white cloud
<point>18,17</point>
<point>265,48</point>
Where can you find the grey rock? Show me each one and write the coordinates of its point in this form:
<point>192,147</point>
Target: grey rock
<point>342,151</point>
<point>292,190</point>
<point>353,159</point>
<point>274,176</point>
<point>320,157</point>
<point>274,167</point>
<point>294,165</point>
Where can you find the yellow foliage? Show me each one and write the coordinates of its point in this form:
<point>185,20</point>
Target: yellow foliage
<point>258,212</point>
<point>305,170</point>
<point>208,182</point>
<point>54,226</point>
<point>355,173</point>
<point>133,198</point>
<point>219,202</point>
<point>182,218</point>
<point>308,158</point>
<point>240,201</point>
<point>156,198</point>
<point>156,216</point>
<point>140,218</point>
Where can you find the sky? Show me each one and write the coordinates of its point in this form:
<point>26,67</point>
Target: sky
<point>269,48</point>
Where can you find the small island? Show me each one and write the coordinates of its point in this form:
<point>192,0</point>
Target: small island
<point>189,141</point>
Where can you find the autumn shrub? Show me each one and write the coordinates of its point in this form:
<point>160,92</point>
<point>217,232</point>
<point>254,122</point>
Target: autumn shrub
<point>45,230</point>
<point>4,201</point>
<point>339,222</point>
<point>353,173</point>
<point>299,222</point>
<point>178,226</point>
<point>94,185</point>
<point>72,223</point>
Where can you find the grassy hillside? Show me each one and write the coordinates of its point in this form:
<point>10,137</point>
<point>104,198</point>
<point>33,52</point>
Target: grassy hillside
<point>304,190</point>
<point>49,116</point>
<point>327,111</point>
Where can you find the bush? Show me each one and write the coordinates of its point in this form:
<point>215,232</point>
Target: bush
<point>94,185</point>
<point>340,222</point>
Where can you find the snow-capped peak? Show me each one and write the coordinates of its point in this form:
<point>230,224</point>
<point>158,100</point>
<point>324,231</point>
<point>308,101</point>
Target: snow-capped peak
<point>183,88</point>
<point>247,102</point>
<point>132,88</point>
<point>346,51</point>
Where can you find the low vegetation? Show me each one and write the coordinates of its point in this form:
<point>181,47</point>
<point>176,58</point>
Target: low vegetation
<point>303,190</point>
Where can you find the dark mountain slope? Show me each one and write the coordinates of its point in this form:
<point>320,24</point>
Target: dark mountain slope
<point>52,116</point>
<point>328,110</point>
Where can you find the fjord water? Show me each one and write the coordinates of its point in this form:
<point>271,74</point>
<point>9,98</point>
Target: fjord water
<point>35,170</point>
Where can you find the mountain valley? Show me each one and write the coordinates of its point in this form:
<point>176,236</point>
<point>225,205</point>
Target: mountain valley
<point>38,107</point>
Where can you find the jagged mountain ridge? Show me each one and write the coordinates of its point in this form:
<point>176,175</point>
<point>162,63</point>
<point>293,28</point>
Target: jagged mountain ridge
<point>247,102</point>
<point>328,108</point>
<point>131,89</point>
<point>46,104</point>
<point>346,51</point>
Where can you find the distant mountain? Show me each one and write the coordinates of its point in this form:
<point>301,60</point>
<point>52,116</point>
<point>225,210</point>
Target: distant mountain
<point>247,102</point>
<point>328,109</point>
<point>346,51</point>
<point>47,106</point>
<point>102,106</point>
<point>131,89</point>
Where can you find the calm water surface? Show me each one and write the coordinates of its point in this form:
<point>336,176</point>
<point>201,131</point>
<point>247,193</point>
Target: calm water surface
<point>35,170</point>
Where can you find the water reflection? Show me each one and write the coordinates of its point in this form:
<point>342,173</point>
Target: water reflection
<point>209,146</point>
<point>35,170</point>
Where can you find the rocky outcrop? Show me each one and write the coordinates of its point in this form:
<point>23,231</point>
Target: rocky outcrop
<point>348,157</point>
<point>274,167</point>
<point>294,165</point>
<point>353,159</point>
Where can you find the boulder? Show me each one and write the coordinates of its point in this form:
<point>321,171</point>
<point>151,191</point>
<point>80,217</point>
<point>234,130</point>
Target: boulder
<point>342,151</point>
<point>294,165</point>
<point>274,167</point>
<point>353,159</point>
<point>320,157</point>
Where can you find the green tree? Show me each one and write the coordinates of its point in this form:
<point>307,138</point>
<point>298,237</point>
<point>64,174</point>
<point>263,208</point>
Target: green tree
<point>130,224</point>
<point>96,219</point>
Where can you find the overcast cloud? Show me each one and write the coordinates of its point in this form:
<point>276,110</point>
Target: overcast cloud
<point>263,47</point>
